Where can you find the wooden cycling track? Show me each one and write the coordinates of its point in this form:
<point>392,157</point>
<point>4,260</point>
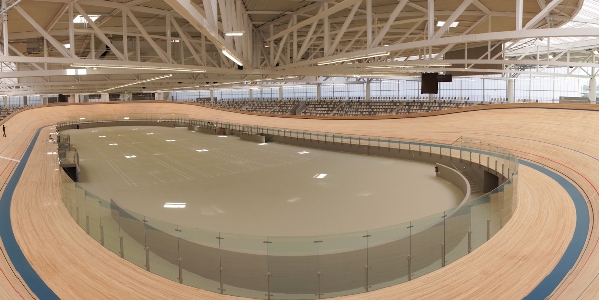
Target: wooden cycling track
<point>509,266</point>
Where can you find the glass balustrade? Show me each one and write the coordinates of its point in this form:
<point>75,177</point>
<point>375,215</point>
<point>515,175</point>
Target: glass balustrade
<point>305,267</point>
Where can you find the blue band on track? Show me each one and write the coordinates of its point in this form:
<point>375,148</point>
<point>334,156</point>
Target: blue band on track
<point>21,264</point>
<point>565,264</point>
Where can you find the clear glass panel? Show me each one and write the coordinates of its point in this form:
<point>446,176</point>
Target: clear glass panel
<point>388,251</point>
<point>163,242</point>
<point>68,190</point>
<point>302,267</point>
<point>80,207</point>
<point>200,258</point>
<point>293,266</point>
<point>480,213</point>
<point>245,265</point>
<point>133,233</point>
<point>427,243</point>
<point>92,211</point>
<point>343,260</point>
<point>457,225</point>
<point>496,210</point>
<point>109,218</point>
<point>508,196</point>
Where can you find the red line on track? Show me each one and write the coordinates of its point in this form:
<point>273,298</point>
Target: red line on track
<point>11,284</point>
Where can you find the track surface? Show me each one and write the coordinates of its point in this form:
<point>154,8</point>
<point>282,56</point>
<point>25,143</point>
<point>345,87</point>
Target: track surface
<point>509,266</point>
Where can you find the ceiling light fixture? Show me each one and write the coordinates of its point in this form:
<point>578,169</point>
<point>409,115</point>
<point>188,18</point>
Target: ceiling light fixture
<point>76,71</point>
<point>442,23</point>
<point>175,205</point>
<point>231,57</point>
<point>81,20</point>
<point>138,67</point>
<point>137,82</point>
<point>235,33</point>
<point>334,61</point>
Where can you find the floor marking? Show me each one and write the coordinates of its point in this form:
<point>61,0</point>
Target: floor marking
<point>3,157</point>
<point>20,262</point>
<point>576,245</point>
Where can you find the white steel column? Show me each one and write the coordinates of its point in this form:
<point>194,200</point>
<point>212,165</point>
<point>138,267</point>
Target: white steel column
<point>71,31</point>
<point>318,91</point>
<point>519,13</point>
<point>211,95</point>
<point>327,30</point>
<point>431,19</point>
<point>368,24</point>
<point>367,96</point>
<point>281,93</point>
<point>137,48</point>
<point>169,45</point>
<point>251,94</point>
<point>125,39</point>
<point>5,32</point>
<point>510,90</point>
<point>593,90</point>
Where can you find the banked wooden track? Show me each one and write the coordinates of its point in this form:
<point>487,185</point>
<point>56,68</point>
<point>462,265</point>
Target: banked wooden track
<point>509,266</point>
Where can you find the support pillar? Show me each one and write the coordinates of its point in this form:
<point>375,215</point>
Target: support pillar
<point>5,101</point>
<point>510,90</point>
<point>251,94</point>
<point>318,91</point>
<point>367,96</point>
<point>24,100</point>
<point>5,29</point>
<point>593,90</point>
<point>104,97</point>
<point>281,93</point>
<point>212,96</point>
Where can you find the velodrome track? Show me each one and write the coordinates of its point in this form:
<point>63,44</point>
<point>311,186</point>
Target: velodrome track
<point>509,266</point>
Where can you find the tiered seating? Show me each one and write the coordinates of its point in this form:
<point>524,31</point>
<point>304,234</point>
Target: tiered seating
<point>259,106</point>
<point>284,107</point>
<point>321,107</point>
<point>231,104</point>
<point>367,108</point>
<point>353,106</point>
<point>4,112</point>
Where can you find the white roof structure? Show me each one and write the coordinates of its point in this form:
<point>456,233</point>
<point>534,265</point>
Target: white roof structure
<point>118,45</point>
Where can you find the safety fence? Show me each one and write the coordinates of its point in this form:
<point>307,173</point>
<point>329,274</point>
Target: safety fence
<point>304,267</point>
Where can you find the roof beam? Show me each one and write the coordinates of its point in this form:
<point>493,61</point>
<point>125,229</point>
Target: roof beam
<point>452,18</point>
<point>542,14</point>
<point>483,37</point>
<point>400,6</point>
<point>343,5</point>
<point>350,17</point>
<point>99,32</point>
<point>195,18</point>
<point>59,46</point>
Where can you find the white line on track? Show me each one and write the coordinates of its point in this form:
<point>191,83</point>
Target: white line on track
<point>4,157</point>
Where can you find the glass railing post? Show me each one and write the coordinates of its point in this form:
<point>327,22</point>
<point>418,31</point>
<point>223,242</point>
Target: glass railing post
<point>410,255</point>
<point>220,267</point>
<point>366,266</point>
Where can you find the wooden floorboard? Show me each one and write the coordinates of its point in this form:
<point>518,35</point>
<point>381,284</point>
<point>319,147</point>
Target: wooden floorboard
<point>509,266</point>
